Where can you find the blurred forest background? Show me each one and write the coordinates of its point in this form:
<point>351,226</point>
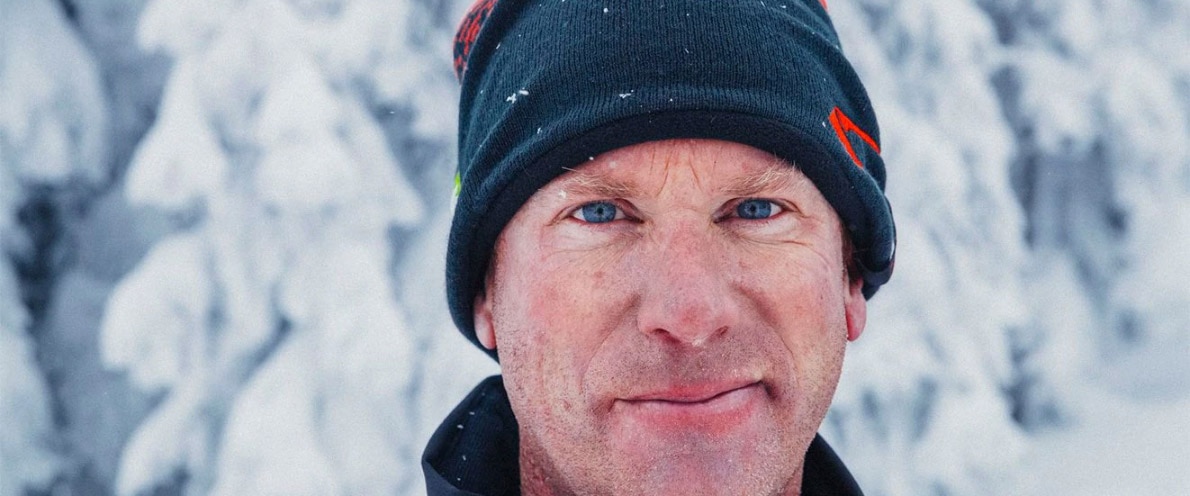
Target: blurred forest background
<point>223,226</point>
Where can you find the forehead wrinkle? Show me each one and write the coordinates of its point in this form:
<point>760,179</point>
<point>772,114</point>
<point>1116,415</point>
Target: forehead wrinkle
<point>589,181</point>
<point>694,172</point>
<point>677,154</point>
<point>661,154</point>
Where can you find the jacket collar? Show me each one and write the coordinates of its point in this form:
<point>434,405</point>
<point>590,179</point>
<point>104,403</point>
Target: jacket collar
<point>475,452</point>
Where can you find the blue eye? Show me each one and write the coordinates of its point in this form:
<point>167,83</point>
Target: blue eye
<point>755,209</point>
<point>599,212</point>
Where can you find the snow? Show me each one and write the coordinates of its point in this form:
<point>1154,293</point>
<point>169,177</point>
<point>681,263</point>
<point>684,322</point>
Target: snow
<point>962,113</point>
<point>180,160</point>
<point>277,300</point>
<point>52,125</point>
<point>25,450</point>
<point>517,94</point>
<point>150,337</point>
<point>53,115</point>
<point>277,409</point>
<point>244,257</point>
<point>181,26</point>
<point>1117,445</point>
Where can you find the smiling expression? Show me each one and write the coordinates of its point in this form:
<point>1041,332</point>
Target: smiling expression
<point>671,318</point>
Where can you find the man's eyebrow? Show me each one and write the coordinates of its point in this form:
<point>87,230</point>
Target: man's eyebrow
<point>781,175</point>
<point>591,185</point>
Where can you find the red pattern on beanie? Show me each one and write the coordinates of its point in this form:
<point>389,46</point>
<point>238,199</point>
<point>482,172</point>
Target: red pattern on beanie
<point>843,125</point>
<point>468,32</point>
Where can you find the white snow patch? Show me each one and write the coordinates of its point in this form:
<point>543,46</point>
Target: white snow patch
<point>1116,446</point>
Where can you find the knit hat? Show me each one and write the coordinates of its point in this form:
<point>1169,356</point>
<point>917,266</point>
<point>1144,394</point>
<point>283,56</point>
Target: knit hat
<point>548,84</point>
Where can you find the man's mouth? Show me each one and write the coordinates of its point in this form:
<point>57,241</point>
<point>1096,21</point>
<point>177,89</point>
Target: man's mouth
<point>714,406</point>
<point>692,394</point>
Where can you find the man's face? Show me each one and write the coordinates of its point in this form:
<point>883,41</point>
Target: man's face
<point>671,318</point>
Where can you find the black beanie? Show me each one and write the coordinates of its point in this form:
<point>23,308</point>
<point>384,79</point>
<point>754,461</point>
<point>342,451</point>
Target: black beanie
<point>549,84</point>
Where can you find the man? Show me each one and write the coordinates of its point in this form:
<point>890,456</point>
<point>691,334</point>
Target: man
<point>670,215</point>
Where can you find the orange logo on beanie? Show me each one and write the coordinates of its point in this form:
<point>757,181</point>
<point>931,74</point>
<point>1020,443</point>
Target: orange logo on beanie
<point>468,32</point>
<point>843,125</point>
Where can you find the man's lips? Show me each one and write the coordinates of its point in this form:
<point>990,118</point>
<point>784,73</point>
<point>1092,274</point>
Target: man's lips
<point>691,394</point>
<point>709,408</point>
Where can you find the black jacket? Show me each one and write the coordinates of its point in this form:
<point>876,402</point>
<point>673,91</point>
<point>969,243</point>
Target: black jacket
<point>474,452</point>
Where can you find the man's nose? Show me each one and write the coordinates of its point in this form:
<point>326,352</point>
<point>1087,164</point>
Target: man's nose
<point>687,294</point>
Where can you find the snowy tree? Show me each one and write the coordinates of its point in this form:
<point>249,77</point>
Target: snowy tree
<point>1099,99</point>
<point>270,321</point>
<point>926,374</point>
<point>52,125</point>
<point>1034,170</point>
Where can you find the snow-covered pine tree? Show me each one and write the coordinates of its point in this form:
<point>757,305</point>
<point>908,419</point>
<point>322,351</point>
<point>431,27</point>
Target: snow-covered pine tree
<point>1098,96</point>
<point>271,322</point>
<point>52,137</point>
<point>1039,174</point>
<point>921,400</point>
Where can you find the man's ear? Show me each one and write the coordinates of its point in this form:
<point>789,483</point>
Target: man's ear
<point>485,331</point>
<point>856,308</point>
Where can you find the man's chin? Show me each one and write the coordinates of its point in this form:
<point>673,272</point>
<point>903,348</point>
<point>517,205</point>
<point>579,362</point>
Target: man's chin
<point>730,442</point>
<point>710,473</point>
